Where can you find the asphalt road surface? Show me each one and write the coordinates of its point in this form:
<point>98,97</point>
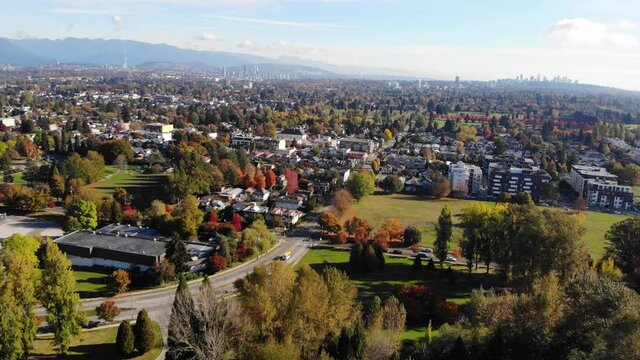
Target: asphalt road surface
<point>158,302</point>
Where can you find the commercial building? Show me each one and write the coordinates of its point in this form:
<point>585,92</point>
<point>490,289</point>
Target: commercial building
<point>465,178</point>
<point>124,247</point>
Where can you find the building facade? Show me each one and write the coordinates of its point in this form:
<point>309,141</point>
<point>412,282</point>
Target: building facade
<point>515,180</point>
<point>465,178</point>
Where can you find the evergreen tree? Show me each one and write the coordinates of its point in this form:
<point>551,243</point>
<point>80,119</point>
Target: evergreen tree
<point>145,337</point>
<point>125,340</point>
<point>181,303</point>
<point>177,254</point>
<point>443,234</point>
<point>459,351</point>
<point>58,296</point>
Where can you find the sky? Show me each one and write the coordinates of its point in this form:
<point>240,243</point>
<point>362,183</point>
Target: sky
<point>593,41</point>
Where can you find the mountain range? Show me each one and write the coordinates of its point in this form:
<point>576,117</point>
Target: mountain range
<point>39,52</point>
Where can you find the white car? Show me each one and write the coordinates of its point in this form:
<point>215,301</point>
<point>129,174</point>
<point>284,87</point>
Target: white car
<point>451,258</point>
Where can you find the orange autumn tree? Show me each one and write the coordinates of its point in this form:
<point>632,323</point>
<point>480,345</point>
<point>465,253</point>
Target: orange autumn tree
<point>260,180</point>
<point>394,228</point>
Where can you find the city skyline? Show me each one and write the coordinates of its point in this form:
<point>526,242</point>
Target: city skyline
<point>582,40</point>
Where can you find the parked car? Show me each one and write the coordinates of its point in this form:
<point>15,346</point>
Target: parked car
<point>423,255</point>
<point>428,250</point>
<point>451,258</point>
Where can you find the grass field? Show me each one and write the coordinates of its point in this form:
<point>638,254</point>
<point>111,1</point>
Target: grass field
<point>93,283</point>
<point>423,212</point>
<point>399,271</point>
<point>636,191</point>
<point>130,179</point>
<point>94,345</point>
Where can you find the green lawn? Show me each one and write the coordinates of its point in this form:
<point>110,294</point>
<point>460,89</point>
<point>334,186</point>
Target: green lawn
<point>94,345</point>
<point>636,191</point>
<point>135,182</point>
<point>423,212</point>
<point>399,271</point>
<point>92,283</point>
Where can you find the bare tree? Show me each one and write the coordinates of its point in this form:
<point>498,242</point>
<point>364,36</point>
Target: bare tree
<point>209,327</point>
<point>121,162</point>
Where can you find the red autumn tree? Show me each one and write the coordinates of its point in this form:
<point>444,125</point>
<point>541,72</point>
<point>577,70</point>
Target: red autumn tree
<point>358,228</point>
<point>270,180</point>
<point>342,237</point>
<point>213,219</point>
<point>218,263</point>
<point>580,204</point>
<point>237,222</point>
<point>292,181</point>
<point>260,181</point>
<point>342,201</point>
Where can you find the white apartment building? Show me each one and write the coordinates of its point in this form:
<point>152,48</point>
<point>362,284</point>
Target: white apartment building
<point>465,178</point>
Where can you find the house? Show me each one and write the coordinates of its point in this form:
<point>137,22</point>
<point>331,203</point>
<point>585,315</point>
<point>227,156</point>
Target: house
<point>293,134</point>
<point>162,131</point>
<point>8,122</point>
<point>289,217</point>
<point>289,202</point>
<point>417,186</point>
<point>260,195</point>
<point>229,193</point>
<point>360,145</point>
<point>254,209</point>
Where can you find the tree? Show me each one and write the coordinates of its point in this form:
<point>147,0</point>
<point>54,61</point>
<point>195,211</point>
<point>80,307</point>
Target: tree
<point>412,236</point>
<point>392,184</point>
<point>121,281</point>
<point>121,162</point>
<point>580,204</point>
<point>523,198</point>
<point>342,201</point>
<point>27,199</point>
<point>144,334</point>
<point>359,228</point>
<point>125,340</point>
<point>270,179</point>
<point>329,223</point>
<point>17,282</point>
<point>393,227</point>
<point>218,263</point>
<point>81,214</point>
<point>474,222</point>
<point>260,180</point>
<point>292,181</point>
<point>459,350</point>
<point>623,243</point>
<point>58,297</point>
<point>361,184</point>
<point>187,217</point>
<point>236,221</point>
<point>504,197</point>
<point>388,135</point>
<point>443,230</point>
<point>440,187</point>
<point>107,310</point>
<point>176,253</point>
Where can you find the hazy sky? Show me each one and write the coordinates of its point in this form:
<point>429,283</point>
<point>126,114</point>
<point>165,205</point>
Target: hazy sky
<point>594,41</point>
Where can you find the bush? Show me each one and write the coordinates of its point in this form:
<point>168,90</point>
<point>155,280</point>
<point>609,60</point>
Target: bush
<point>125,340</point>
<point>145,337</point>
<point>218,263</point>
<point>121,281</point>
<point>108,310</point>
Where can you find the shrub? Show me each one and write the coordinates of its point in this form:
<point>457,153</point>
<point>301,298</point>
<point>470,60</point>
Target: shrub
<point>108,310</point>
<point>218,263</point>
<point>125,340</point>
<point>145,337</point>
<point>121,281</point>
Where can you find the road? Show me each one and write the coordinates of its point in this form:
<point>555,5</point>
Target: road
<point>158,302</point>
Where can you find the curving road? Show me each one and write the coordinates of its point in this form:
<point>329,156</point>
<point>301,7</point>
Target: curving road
<point>158,302</point>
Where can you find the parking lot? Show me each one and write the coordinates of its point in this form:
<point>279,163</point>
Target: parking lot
<point>25,225</point>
